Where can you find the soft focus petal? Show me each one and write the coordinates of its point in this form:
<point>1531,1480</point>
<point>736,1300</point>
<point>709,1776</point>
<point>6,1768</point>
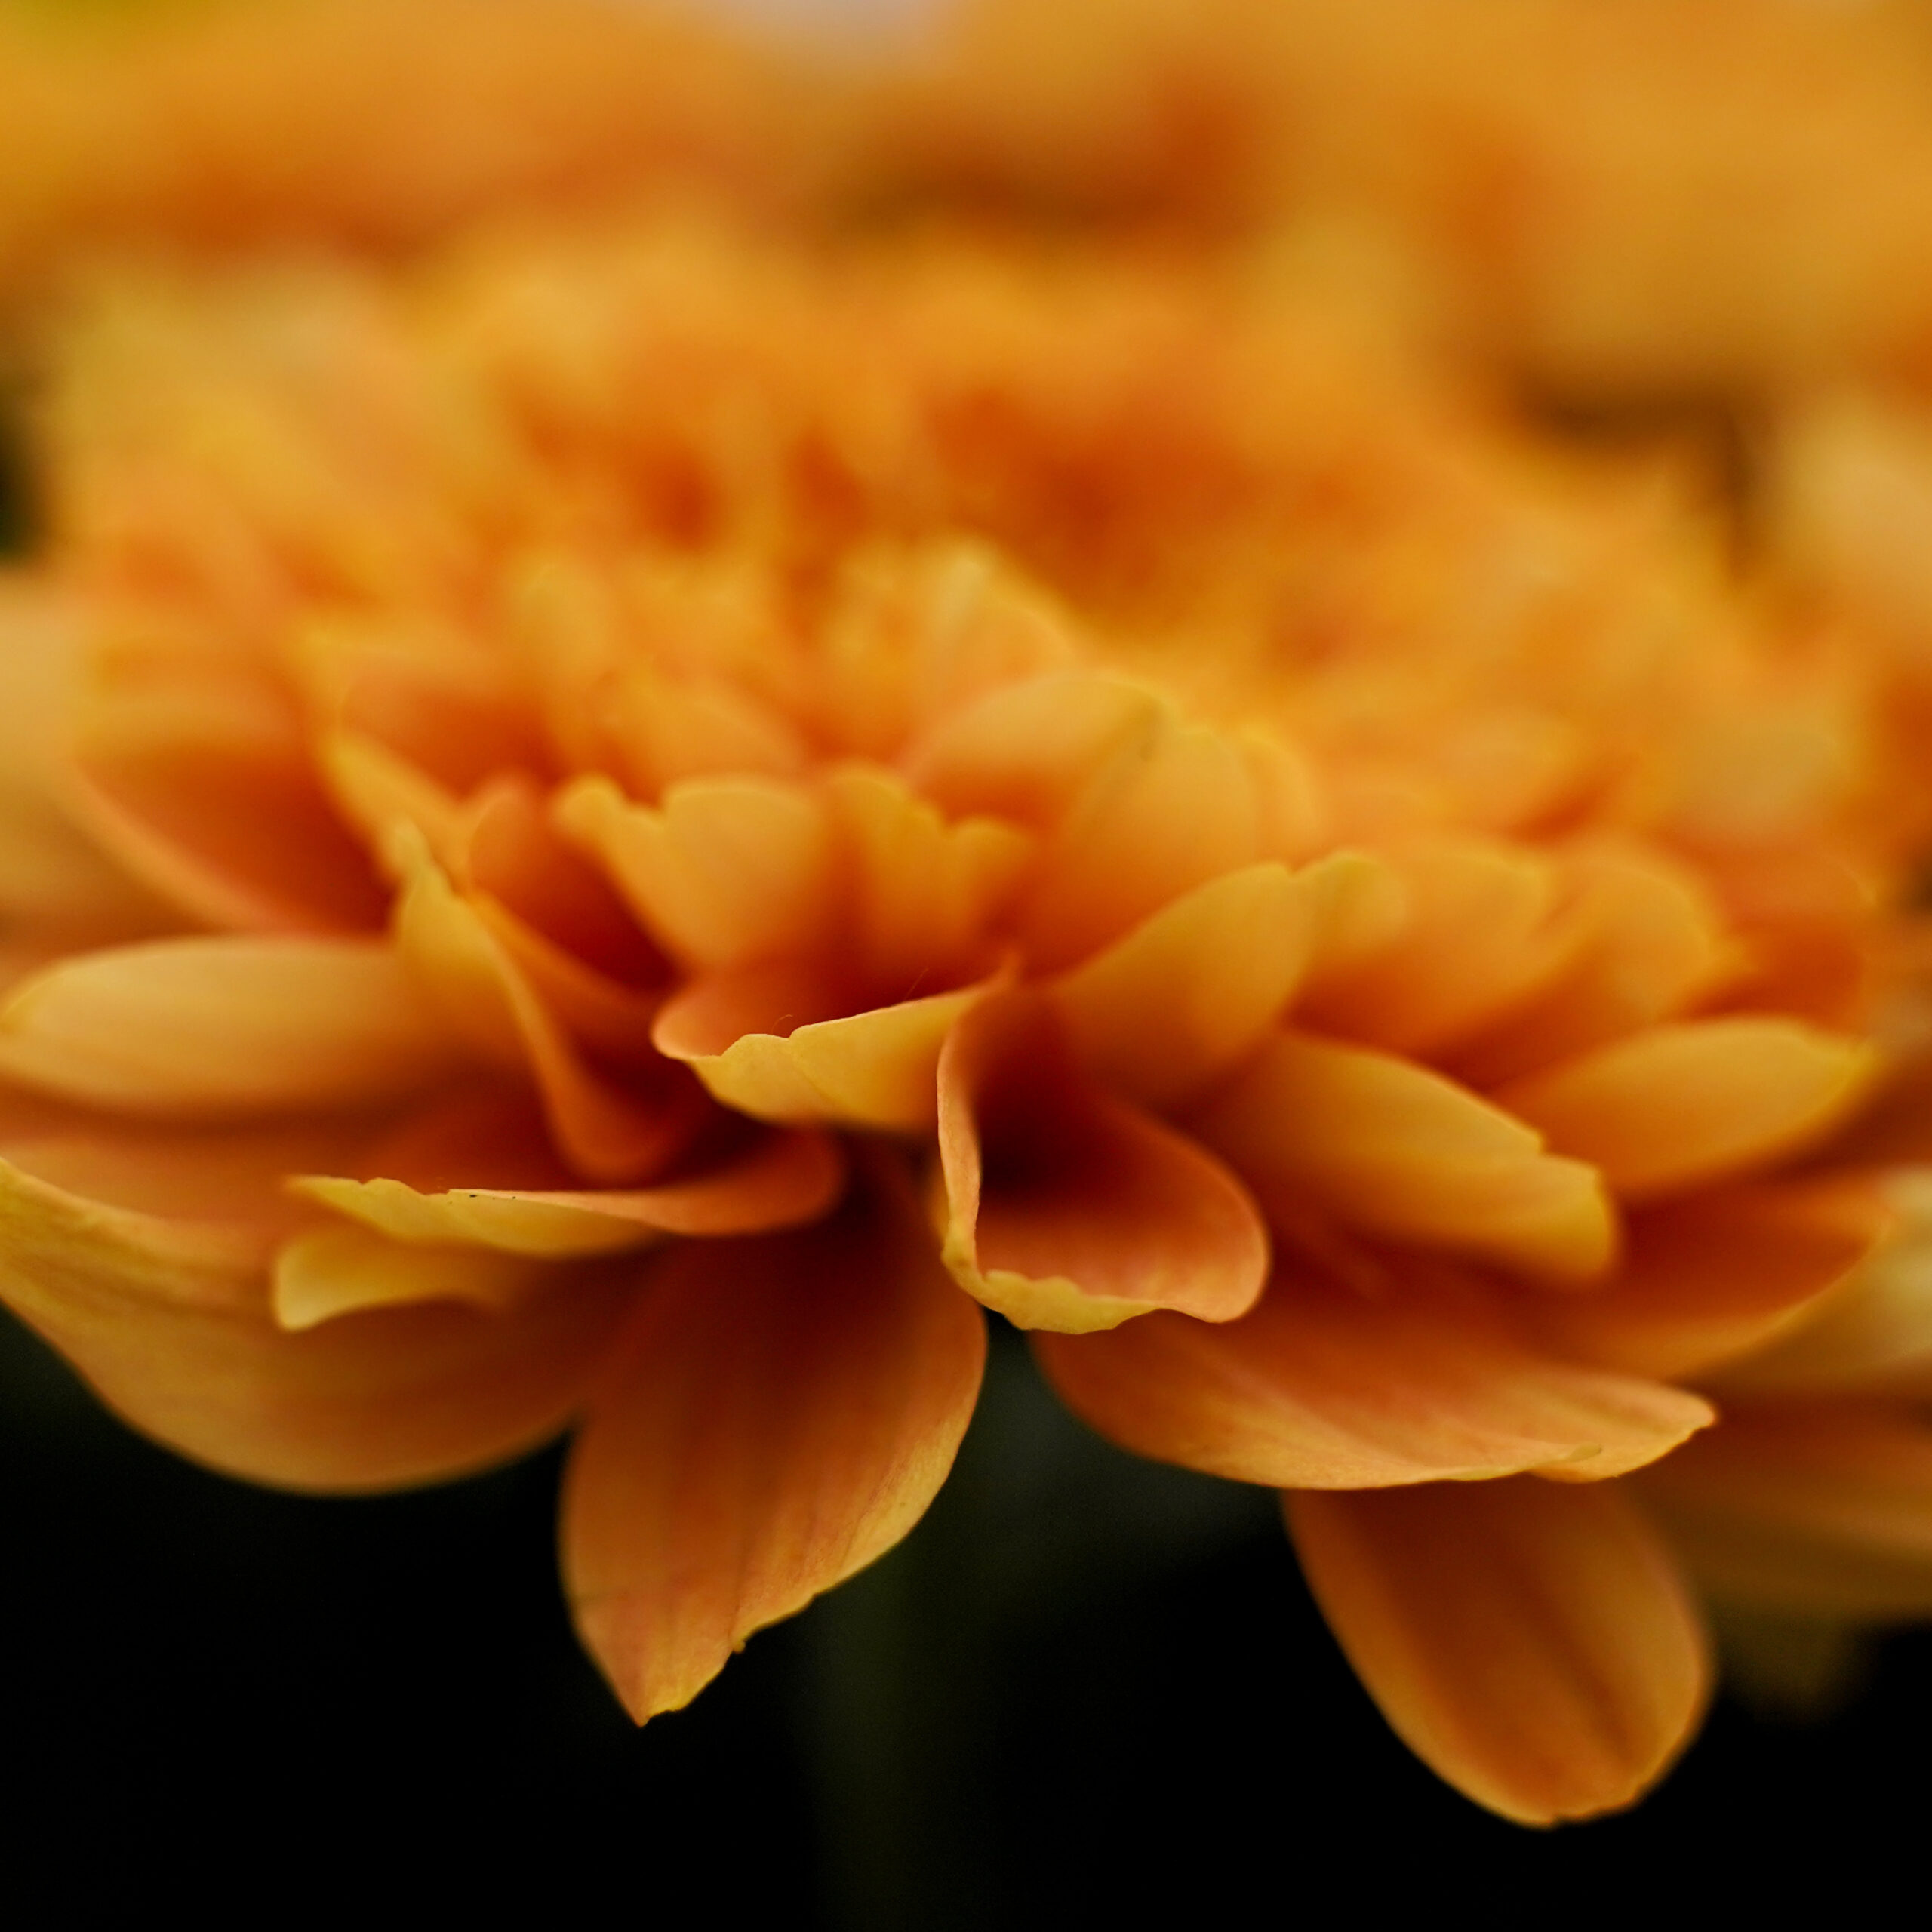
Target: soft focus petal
<point>1642,938</point>
<point>606,1132</point>
<point>1479,934</point>
<point>727,872</point>
<point>1022,752</point>
<point>1184,995</point>
<point>1322,1387</point>
<point>204,1028</point>
<point>177,1336</point>
<point>202,788</point>
<point>1159,818</point>
<point>923,892</point>
<point>1680,1106</point>
<point>1820,1509</point>
<point>1320,1128</point>
<point>1714,1276</point>
<point>1067,1209</point>
<point>53,881</point>
<point>1532,1645</point>
<point>235,1175</point>
<point>780,1412</point>
<point>1873,1332</point>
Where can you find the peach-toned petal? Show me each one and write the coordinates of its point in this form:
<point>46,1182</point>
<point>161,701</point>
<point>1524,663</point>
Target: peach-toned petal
<point>209,799</point>
<point>780,1412</point>
<point>376,791</point>
<point>1679,1106</point>
<point>53,881</point>
<point>1022,752</point>
<point>748,1038</point>
<point>231,1175</point>
<point>613,1019</point>
<point>673,728</point>
<point>1822,1509</point>
<point>1322,1388</point>
<point>1477,936</point>
<point>1318,1127</point>
<point>1068,1209</point>
<point>510,851</point>
<point>1532,1645</point>
<point>921,634</point>
<point>778,1180</point>
<point>1157,820</point>
<point>1714,1276</point>
<point>606,1133</point>
<point>1873,1332</point>
<point>204,1028</point>
<point>177,1335</point>
<point>924,893</point>
<point>1184,995</point>
<point>1647,940</point>
<point>727,873</point>
<point>424,690</point>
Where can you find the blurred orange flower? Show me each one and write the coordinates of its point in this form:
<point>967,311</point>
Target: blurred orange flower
<point>665,816</point>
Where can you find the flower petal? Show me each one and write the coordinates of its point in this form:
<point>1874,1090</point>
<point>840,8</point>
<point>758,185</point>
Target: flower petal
<point>335,1270</point>
<point>1531,1645</point>
<point>1388,1147</point>
<point>1022,751</point>
<point>780,1412</point>
<point>1322,1388</point>
<point>778,1180</point>
<point>608,1132</point>
<point>232,1175</point>
<point>1679,1106</point>
<point>213,1027</point>
<point>1821,1509</point>
<point>924,892</point>
<point>1184,995</point>
<point>1645,939</point>
<point>751,1038</point>
<point>1067,1209</point>
<point>203,789</point>
<point>1716,1275</point>
<point>1478,937</point>
<point>1873,1331</point>
<point>727,872</point>
<point>174,1332</point>
<point>1161,817</point>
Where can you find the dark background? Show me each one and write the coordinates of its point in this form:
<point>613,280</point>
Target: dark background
<point>1085,1688</point>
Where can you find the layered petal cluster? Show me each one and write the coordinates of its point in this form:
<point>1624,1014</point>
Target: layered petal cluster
<point>666,819</point>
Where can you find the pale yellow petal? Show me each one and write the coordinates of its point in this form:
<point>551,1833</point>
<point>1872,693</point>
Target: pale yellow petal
<point>334,1270</point>
<point>876,1068</point>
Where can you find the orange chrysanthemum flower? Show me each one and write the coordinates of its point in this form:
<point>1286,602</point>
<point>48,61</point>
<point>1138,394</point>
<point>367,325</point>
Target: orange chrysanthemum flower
<point>642,866</point>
